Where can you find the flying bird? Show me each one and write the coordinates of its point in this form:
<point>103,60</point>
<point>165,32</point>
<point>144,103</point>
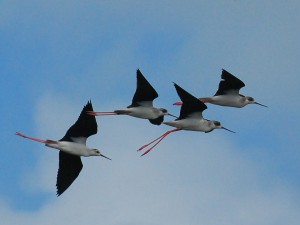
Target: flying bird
<point>228,93</point>
<point>71,147</point>
<point>142,103</point>
<point>190,118</point>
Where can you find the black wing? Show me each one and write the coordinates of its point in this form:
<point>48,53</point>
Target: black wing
<point>229,82</point>
<point>85,126</point>
<point>190,104</point>
<point>69,169</point>
<point>144,90</point>
<point>157,121</point>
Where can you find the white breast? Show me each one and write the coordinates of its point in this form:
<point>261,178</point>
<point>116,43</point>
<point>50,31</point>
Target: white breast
<point>190,124</point>
<point>144,112</point>
<point>70,147</point>
<point>228,100</point>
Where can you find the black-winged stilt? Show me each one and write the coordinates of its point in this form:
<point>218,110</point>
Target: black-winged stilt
<point>142,103</point>
<point>72,146</point>
<point>228,93</point>
<point>190,118</point>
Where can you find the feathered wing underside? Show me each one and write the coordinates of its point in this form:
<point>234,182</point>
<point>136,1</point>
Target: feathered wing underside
<point>157,121</point>
<point>190,104</point>
<point>144,91</point>
<point>85,126</point>
<point>79,140</point>
<point>69,169</point>
<point>230,84</point>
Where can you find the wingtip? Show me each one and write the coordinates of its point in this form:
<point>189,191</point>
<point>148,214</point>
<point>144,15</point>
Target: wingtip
<point>138,72</point>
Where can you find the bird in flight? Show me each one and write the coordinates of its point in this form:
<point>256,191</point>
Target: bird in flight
<point>228,93</point>
<point>142,103</point>
<point>71,147</point>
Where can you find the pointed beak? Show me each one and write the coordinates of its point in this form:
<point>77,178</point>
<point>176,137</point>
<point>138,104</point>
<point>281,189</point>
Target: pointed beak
<point>104,156</point>
<point>260,104</point>
<point>227,129</point>
<point>172,115</point>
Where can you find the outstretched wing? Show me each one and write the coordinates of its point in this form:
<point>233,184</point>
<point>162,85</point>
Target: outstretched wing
<point>190,104</point>
<point>145,93</point>
<point>69,169</point>
<point>85,126</point>
<point>229,84</point>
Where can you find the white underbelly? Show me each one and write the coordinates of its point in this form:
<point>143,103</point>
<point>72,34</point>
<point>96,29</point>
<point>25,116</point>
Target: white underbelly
<point>190,124</point>
<point>70,148</point>
<point>227,100</point>
<point>144,112</point>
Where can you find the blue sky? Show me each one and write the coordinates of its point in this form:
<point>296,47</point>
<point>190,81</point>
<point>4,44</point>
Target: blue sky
<point>56,55</point>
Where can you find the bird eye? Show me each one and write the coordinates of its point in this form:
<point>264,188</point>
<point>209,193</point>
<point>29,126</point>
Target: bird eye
<point>217,123</point>
<point>164,110</point>
<point>251,99</point>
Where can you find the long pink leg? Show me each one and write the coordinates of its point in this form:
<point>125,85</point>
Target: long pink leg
<point>146,145</point>
<point>36,139</point>
<point>177,103</point>
<point>92,113</point>
<point>31,138</point>
<point>204,100</point>
<point>159,140</point>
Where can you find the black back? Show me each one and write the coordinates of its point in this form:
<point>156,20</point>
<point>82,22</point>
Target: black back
<point>69,169</point>
<point>229,82</point>
<point>144,90</point>
<point>190,104</point>
<point>85,126</point>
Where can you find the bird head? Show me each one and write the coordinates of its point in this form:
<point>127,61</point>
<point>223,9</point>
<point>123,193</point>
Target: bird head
<point>96,152</point>
<point>250,100</point>
<point>165,112</point>
<point>217,125</point>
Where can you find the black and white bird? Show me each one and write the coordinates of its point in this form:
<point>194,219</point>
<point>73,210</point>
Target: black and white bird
<point>228,93</point>
<point>142,103</point>
<point>190,118</point>
<point>71,147</point>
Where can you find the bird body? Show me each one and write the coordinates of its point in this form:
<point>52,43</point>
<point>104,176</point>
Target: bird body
<point>74,148</point>
<point>193,124</point>
<point>230,100</point>
<point>143,112</point>
<point>228,93</point>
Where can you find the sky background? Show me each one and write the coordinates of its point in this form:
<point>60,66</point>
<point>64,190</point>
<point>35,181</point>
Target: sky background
<point>57,55</point>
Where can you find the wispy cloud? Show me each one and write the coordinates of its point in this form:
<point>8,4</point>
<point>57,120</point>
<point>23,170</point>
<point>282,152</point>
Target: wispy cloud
<point>63,53</point>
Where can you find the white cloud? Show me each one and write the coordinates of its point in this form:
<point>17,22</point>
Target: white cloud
<point>190,178</point>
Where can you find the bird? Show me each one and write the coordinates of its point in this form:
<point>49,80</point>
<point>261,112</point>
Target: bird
<point>142,103</point>
<point>71,147</point>
<point>228,93</point>
<point>190,118</point>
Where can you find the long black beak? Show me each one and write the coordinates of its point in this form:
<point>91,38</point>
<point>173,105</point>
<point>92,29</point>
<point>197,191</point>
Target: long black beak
<point>260,104</point>
<point>172,115</point>
<point>104,156</point>
<point>227,129</point>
